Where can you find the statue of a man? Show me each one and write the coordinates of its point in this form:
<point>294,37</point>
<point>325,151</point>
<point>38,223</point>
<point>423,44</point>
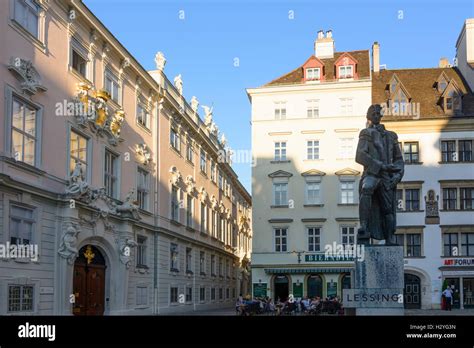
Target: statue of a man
<point>379,152</point>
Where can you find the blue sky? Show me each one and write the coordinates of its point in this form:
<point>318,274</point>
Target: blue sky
<point>203,46</point>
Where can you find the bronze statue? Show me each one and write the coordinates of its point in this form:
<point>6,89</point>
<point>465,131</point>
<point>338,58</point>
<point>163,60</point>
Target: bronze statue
<point>379,152</point>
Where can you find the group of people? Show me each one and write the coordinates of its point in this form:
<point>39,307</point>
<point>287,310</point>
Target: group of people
<point>266,305</point>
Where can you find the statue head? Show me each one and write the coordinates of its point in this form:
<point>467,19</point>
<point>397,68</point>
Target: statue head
<point>374,114</point>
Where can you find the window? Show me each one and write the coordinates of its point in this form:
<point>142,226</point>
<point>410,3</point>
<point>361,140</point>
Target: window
<point>449,198</point>
<point>412,199</point>
<point>174,294</point>
<point>110,174</point>
<point>465,150</point>
<point>213,265</point>
<point>314,239</point>
<point>24,133</point>
<point>313,109</point>
<point>214,223</point>
<point>452,101</point>
<point>410,152</point>
<point>20,298</point>
<point>450,244</point>
<point>347,192</point>
<point>280,239</point>
<point>280,151</point>
<point>213,170</point>
<point>202,294</point>
<point>221,294</point>
<point>227,268</point>
<point>189,150</point>
<point>142,188</point>
<point>213,294</point>
<point>346,148</point>
<point>313,73</point>
<point>204,224</point>
<point>448,151</point>
<point>174,203</point>
<point>202,263</point>
<point>77,152</point>
<point>221,268</point>
<point>21,225</point>
<point>79,58</point>
<point>313,193</point>
<point>221,180</point>
<point>174,140</point>
<point>312,149</point>
<point>141,251</point>
<point>346,106</point>
<point>189,294</point>
<point>26,13</point>
<point>467,198</point>
<point>174,257</point>
<point>413,248</point>
<point>189,211</point>
<point>189,260</point>
<point>112,85</point>
<point>280,111</point>
<point>345,72</point>
<point>142,295</point>
<point>400,102</point>
<point>143,116</point>
<point>467,244</point>
<point>348,235</point>
<point>202,162</point>
<point>280,194</point>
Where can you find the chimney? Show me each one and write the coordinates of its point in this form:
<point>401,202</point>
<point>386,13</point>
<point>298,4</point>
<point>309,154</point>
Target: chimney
<point>324,45</point>
<point>376,57</point>
<point>444,63</point>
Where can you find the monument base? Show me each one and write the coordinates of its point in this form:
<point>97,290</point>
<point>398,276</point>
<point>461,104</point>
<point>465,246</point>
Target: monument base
<point>378,282</point>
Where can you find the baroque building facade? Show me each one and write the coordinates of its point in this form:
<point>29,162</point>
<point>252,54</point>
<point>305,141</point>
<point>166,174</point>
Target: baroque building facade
<point>128,195</point>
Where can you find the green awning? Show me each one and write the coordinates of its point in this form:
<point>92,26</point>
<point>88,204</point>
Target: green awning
<point>308,270</point>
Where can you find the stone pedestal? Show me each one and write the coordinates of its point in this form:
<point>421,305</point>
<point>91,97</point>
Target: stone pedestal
<point>378,282</point>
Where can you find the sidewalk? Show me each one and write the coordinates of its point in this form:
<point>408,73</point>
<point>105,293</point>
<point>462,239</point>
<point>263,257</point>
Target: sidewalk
<point>469,312</point>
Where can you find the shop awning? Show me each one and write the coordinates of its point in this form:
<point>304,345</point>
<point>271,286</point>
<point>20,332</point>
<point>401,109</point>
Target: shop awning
<point>307,270</point>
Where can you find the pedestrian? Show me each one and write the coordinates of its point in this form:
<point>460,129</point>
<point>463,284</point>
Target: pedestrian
<point>448,295</point>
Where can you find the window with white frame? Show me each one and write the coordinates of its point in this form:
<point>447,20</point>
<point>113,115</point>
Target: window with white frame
<point>313,192</point>
<point>203,161</point>
<point>111,174</point>
<point>174,203</point>
<point>280,110</point>
<point>213,170</point>
<point>312,110</point>
<point>346,71</point>
<point>204,223</point>
<point>280,239</point>
<point>346,106</point>
<point>112,85</point>
<point>280,193</point>
<point>175,139</point>
<point>77,152</point>
<point>27,14</point>
<point>174,257</point>
<point>313,73</point>
<point>142,295</point>
<point>314,238</point>
<point>189,210</point>
<point>280,151</point>
<point>347,191</point>
<point>79,58</point>
<point>143,114</point>
<point>22,222</point>
<point>348,235</point>
<point>221,180</point>
<point>143,188</point>
<point>141,251</point>
<point>346,148</point>
<point>20,298</point>
<point>24,132</point>
<point>312,149</point>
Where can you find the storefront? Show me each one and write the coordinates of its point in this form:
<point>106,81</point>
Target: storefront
<point>458,274</point>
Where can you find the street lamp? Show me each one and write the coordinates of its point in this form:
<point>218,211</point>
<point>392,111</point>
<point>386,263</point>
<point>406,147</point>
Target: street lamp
<point>299,254</point>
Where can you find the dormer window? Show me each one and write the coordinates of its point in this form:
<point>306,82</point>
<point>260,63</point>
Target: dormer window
<point>442,82</point>
<point>452,101</point>
<point>393,84</point>
<point>313,73</point>
<point>346,71</point>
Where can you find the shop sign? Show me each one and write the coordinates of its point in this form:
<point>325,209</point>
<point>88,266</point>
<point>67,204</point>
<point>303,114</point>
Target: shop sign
<point>459,262</point>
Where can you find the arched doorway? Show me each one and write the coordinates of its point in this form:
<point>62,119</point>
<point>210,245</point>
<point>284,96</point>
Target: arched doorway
<point>314,286</point>
<point>346,281</point>
<point>89,282</point>
<point>412,294</point>
<point>281,286</point>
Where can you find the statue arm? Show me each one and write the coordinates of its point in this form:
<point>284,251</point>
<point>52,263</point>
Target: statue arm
<point>363,157</point>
